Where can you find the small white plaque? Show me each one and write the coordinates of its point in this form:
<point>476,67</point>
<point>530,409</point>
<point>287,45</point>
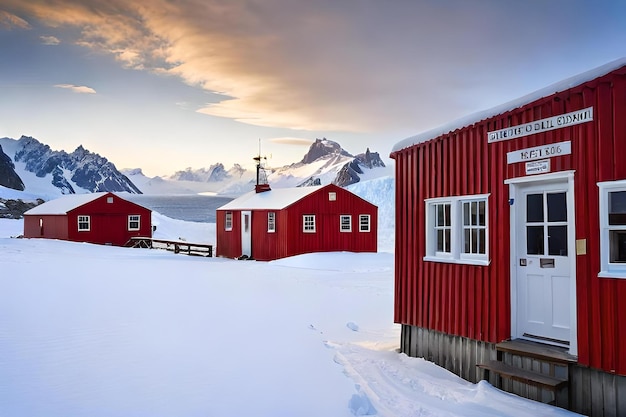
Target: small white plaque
<point>538,167</point>
<point>539,152</point>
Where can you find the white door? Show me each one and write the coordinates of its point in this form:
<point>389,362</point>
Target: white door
<point>246,233</point>
<point>543,245</point>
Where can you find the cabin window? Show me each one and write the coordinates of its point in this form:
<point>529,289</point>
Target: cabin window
<point>345,223</point>
<point>308,223</point>
<point>271,222</point>
<point>133,222</point>
<point>364,223</point>
<point>109,200</point>
<point>613,229</point>
<point>474,227</point>
<point>228,221</point>
<point>332,196</point>
<point>84,223</point>
<point>457,230</point>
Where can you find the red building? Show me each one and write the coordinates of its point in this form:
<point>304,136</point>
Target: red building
<point>511,237</point>
<point>103,218</point>
<point>273,224</point>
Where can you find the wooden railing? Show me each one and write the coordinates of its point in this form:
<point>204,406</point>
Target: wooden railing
<point>197,249</point>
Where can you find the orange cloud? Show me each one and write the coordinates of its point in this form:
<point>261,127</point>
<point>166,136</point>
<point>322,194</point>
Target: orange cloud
<point>231,48</point>
<point>323,65</point>
<point>10,21</point>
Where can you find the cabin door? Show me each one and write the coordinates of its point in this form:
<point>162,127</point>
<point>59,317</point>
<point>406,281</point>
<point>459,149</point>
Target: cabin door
<point>543,280</point>
<point>246,233</point>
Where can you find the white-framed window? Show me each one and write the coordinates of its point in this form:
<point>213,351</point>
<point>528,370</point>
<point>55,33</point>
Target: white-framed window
<point>228,221</point>
<point>474,227</point>
<point>308,223</point>
<point>612,229</point>
<point>345,223</point>
<point>364,222</point>
<point>332,196</point>
<point>134,222</point>
<point>109,200</point>
<point>271,222</point>
<point>84,223</point>
<point>457,229</point>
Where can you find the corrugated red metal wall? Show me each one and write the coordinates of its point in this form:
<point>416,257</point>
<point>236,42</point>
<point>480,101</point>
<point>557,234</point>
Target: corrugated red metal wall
<point>228,243</point>
<point>451,298</point>
<point>52,226</point>
<point>474,301</point>
<point>328,236</point>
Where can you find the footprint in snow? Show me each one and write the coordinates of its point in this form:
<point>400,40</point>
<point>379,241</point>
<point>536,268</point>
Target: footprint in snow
<point>352,326</point>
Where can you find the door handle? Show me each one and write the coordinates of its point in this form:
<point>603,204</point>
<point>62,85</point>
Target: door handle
<point>522,262</point>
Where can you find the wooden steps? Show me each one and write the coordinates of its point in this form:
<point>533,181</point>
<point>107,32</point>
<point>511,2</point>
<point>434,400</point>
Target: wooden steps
<point>523,375</point>
<point>537,351</point>
<point>532,370</point>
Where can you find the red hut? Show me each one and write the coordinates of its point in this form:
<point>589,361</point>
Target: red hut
<point>102,218</point>
<point>511,244</point>
<point>271,224</point>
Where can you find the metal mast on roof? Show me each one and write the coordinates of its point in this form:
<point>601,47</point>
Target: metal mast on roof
<point>261,176</point>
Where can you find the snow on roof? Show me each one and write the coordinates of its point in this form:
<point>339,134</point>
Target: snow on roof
<point>522,101</point>
<point>276,199</point>
<point>64,204</point>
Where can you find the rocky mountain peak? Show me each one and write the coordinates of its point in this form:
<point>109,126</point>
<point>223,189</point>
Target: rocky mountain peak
<point>322,148</point>
<point>85,169</point>
<point>8,176</point>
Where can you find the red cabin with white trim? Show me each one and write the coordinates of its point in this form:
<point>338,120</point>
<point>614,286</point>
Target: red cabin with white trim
<point>511,224</point>
<point>103,218</point>
<point>273,224</point>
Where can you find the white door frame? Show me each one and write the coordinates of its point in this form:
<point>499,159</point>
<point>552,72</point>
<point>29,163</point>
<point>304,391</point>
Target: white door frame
<point>514,194</point>
<point>246,234</point>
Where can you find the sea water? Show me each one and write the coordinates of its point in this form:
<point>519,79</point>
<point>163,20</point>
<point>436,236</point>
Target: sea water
<point>193,208</point>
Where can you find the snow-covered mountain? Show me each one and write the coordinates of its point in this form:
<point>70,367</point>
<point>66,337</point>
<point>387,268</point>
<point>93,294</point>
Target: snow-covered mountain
<point>325,162</point>
<point>29,170</point>
<point>47,173</point>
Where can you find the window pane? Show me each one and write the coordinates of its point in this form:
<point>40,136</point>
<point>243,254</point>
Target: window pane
<point>439,214</point>
<point>557,240</point>
<point>534,240</point>
<point>557,207</point>
<point>481,241</point>
<point>466,214</point>
<point>448,219</point>
<point>617,208</point>
<point>617,246</point>
<point>534,208</point>
<point>439,240</point>
<point>447,240</point>
<point>474,212</point>
<point>466,242</point>
<point>474,240</point>
<point>481,214</point>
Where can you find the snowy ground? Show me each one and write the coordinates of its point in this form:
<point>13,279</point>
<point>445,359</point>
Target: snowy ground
<point>89,330</point>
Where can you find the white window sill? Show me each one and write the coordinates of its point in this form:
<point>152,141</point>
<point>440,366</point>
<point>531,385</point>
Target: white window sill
<point>612,274</point>
<point>479,262</point>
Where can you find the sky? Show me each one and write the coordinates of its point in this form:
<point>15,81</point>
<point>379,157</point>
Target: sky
<point>164,85</point>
